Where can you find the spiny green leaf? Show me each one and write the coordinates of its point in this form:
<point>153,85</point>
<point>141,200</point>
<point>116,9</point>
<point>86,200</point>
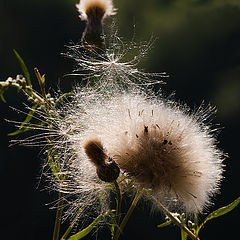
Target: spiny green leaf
<point>164,224</point>
<point>22,129</point>
<point>23,67</point>
<point>219,212</point>
<point>88,229</point>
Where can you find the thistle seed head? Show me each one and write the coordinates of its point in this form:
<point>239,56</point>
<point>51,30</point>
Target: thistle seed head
<point>88,8</point>
<point>160,145</point>
<point>94,11</point>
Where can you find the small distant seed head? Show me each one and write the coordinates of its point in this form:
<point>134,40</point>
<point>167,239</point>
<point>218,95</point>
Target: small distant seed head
<point>94,11</point>
<point>86,8</point>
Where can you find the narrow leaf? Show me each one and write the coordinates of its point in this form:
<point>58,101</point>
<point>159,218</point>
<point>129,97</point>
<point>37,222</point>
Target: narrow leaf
<point>88,229</point>
<point>29,116</point>
<point>52,161</point>
<point>27,120</point>
<point>52,166</point>
<point>57,224</point>
<point>219,212</point>
<point>23,67</point>
<point>73,223</point>
<point>183,235</point>
<point>3,99</point>
<point>164,224</point>
<point>43,79</point>
<point>25,129</point>
<point>19,131</point>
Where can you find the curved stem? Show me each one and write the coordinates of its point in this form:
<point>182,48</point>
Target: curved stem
<point>118,208</point>
<point>175,220</point>
<point>65,235</point>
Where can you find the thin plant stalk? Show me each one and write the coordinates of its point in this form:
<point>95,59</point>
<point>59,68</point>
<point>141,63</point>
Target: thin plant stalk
<point>118,208</point>
<point>175,220</point>
<point>65,235</point>
<point>58,217</point>
<point>129,213</point>
<point>57,224</point>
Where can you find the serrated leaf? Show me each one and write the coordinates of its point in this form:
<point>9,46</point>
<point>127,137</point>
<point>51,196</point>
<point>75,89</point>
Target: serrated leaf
<point>219,212</point>
<point>23,67</point>
<point>88,229</point>
<point>164,224</point>
<point>22,129</point>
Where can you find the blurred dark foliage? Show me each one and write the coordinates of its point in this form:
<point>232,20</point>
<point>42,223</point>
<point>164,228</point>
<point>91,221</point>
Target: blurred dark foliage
<point>197,45</point>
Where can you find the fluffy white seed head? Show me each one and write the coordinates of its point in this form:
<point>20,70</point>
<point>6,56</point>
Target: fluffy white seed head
<point>85,7</point>
<point>158,145</point>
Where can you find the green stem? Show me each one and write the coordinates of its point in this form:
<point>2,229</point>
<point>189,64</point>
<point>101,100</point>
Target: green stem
<point>118,208</point>
<point>129,213</point>
<point>73,223</point>
<point>30,92</point>
<point>58,217</point>
<point>175,220</point>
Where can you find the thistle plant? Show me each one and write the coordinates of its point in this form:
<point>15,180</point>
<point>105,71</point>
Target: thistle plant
<point>113,135</point>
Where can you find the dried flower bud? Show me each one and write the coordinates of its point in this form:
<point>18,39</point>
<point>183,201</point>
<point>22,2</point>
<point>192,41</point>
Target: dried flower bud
<point>108,172</point>
<point>95,152</point>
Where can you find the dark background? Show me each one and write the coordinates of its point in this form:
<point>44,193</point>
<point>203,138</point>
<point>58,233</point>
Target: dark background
<point>198,45</point>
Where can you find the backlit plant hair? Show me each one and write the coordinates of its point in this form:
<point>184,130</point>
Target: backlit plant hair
<point>114,136</point>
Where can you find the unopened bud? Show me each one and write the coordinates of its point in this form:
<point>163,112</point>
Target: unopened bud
<point>95,152</point>
<point>109,171</point>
